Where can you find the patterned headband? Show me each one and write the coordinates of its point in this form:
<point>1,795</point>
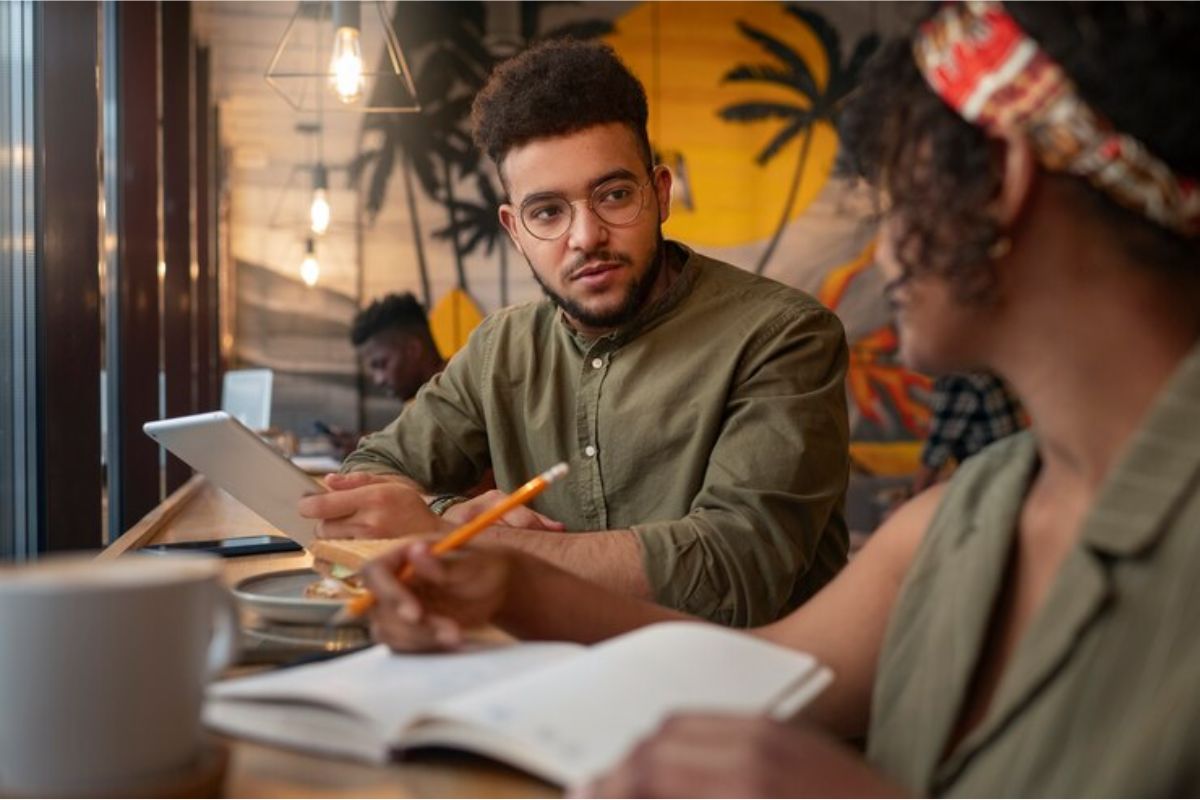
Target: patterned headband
<point>980,62</point>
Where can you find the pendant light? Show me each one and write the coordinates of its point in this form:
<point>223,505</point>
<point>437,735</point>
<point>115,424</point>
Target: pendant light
<point>323,52</point>
<point>310,268</point>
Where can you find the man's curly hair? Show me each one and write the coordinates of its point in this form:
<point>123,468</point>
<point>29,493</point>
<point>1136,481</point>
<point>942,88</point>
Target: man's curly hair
<point>555,88</point>
<point>401,312</point>
<point>1137,63</point>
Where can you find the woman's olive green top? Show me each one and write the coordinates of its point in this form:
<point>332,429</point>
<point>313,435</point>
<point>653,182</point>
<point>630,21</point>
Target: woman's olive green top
<point>1102,695</point>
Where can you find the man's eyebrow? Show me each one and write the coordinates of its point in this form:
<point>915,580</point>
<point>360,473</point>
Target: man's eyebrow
<point>620,172</point>
<point>531,198</point>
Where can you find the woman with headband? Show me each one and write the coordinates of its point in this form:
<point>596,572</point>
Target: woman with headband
<point>1029,627</point>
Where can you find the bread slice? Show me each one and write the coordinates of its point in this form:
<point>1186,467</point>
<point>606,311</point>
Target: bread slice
<point>347,556</point>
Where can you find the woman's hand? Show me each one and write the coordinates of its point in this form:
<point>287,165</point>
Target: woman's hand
<point>716,755</point>
<point>444,596</point>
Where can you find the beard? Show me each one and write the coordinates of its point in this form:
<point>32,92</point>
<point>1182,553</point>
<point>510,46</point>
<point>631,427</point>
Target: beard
<point>635,297</point>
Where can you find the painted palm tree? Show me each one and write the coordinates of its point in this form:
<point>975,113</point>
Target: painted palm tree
<point>456,154</point>
<point>455,57</point>
<point>814,104</point>
<point>409,141</point>
<point>445,41</point>
<point>479,224</point>
<point>473,222</point>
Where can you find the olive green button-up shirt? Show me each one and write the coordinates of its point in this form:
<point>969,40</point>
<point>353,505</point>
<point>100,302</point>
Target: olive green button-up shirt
<point>1102,695</point>
<point>713,425</point>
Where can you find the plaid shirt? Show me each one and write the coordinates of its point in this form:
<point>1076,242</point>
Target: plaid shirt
<point>970,411</point>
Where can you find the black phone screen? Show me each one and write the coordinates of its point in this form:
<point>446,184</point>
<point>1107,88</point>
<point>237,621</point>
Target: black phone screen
<point>229,548</point>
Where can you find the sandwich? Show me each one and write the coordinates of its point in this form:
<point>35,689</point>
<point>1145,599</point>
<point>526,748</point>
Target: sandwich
<point>339,562</point>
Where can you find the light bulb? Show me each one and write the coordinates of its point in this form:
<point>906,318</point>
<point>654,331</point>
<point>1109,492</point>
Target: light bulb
<point>347,65</point>
<point>310,270</point>
<point>319,213</point>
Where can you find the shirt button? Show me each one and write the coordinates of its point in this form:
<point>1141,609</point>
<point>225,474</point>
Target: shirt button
<point>597,363</point>
<point>589,451</point>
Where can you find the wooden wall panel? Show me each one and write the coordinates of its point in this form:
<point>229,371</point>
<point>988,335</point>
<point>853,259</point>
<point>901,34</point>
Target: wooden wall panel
<point>138,295</point>
<point>208,383</point>
<point>179,353</point>
<point>68,292</point>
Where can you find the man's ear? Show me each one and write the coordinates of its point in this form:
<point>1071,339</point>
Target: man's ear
<point>1018,172</point>
<point>510,221</point>
<point>662,190</point>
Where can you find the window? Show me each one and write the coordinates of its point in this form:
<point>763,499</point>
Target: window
<point>18,507</point>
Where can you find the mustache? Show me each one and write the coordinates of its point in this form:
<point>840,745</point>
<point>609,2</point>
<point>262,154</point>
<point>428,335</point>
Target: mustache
<point>585,259</point>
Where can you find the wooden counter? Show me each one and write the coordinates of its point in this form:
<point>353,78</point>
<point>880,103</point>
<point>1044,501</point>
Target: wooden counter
<point>197,511</point>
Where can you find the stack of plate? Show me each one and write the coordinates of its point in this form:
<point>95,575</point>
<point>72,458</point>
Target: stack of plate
<point>283,623</point>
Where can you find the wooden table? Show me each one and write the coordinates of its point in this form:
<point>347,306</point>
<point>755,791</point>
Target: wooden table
<point>198,511</point>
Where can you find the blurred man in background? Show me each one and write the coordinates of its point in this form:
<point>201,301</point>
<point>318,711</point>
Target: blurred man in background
<point>393,341</point>
<point>970,410</point>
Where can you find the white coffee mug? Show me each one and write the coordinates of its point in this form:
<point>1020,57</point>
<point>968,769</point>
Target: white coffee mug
<point>103,667</point>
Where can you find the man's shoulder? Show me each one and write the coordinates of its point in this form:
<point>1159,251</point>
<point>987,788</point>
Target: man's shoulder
<point>995,477</point>
<point>731,284</point>
<point>749,301</point>
<point>496,332</point>
<point>520,318</point>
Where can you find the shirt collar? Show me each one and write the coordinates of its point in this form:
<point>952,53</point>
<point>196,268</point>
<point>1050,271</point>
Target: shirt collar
<point>1156,470</point>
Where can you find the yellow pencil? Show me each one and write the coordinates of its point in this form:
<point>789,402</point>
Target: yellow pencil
<point>459,536</point>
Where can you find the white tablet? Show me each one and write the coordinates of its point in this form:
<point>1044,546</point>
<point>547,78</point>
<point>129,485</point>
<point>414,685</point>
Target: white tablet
<point>234,458</point>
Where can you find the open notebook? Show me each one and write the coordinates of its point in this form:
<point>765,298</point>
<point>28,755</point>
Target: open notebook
<point>560,711</point>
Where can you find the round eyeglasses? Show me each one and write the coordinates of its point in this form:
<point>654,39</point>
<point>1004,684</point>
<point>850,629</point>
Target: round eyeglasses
<point>618,202</point>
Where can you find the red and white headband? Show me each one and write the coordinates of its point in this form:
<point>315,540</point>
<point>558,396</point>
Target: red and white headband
<point>980,62</point>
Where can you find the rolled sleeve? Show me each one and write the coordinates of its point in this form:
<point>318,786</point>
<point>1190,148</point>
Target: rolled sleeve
<point>766,530</point>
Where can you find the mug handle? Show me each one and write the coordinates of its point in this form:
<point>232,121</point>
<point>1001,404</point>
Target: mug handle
<point>222,649</point>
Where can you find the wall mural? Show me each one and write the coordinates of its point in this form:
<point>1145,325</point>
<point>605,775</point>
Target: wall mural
<point>744,101</point>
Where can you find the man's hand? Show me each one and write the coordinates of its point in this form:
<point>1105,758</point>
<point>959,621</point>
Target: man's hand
<point>363,506</point>
<point>337,481</point>
<point>519,517</point>
<point>713,755</point>
<point>445,594</point>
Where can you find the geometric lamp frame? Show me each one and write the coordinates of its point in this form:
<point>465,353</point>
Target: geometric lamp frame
<point>300,68</point>
<point>289,211</point>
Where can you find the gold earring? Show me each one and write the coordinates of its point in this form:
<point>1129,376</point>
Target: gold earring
<point>999,248</point>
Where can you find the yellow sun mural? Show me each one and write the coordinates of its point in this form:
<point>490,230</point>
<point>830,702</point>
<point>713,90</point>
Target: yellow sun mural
<point>743,97</point>
<point>681,52</point>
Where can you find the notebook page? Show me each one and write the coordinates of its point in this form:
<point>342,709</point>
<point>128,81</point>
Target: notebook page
<point>376,691</point>
<point>575,718</point>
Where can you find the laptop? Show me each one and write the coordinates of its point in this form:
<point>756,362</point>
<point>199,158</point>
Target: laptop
<point>246,396</point>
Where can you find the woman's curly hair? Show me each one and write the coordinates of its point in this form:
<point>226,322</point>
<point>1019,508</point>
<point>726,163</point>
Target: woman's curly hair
<point>555,88</point>
<point>1137,63</point>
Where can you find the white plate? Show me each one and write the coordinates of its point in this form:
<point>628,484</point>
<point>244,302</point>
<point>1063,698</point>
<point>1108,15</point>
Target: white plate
<point>279,597</point>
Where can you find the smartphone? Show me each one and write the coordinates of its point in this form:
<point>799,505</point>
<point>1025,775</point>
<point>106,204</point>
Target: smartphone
<point>229,548</point>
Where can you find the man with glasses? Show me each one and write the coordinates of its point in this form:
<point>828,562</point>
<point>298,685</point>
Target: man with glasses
<point>701,408</point>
